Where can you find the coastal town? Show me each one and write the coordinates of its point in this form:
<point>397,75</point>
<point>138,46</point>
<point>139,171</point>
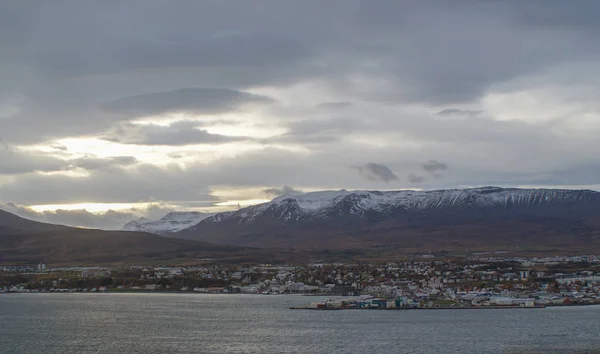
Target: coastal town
<point>485,280</point>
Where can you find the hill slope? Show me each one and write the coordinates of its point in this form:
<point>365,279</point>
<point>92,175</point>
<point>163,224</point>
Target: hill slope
<point>23,240</point>
<point>488,218</point>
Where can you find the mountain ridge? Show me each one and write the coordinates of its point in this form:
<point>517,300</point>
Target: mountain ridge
<point>364,200</point>
<point>396,219</point>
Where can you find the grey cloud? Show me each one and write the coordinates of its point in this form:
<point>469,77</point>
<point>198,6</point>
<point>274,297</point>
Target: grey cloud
<point>154,211</point>
<point>125,37</point>
<point>377,51</point>
<point>413,178</point>
<point>383,56</point>
<point>59,147</point>
<point>188,100</point>
<point>276,192</point>
<point>433,166</point>
<point>191,187</point>
<point>4,147</point>
<point>458,112</point>
<point>138,183</point>
<point>443,65</point>
<point>582,174</point>
<point>305,140</point>
<point>176,134</point>
<point>318,131</point>
<point>15,161</point>
<point>311,127</point>
<point>555,14</point>
<point>92,163</point>
<point>240,45</point>
<point>376,172</point>
<point>334,105</point>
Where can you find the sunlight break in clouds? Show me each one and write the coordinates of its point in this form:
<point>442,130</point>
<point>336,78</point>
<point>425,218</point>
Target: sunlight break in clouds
<point>91,207</point>
<point>222,100</point>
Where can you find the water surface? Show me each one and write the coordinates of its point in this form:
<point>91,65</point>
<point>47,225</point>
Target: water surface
<point>178,323</point>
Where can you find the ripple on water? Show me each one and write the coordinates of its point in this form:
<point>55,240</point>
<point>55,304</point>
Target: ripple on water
<point>178,323</point>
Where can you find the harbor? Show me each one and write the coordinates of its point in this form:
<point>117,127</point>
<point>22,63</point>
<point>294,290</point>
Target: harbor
<point>402,304</point>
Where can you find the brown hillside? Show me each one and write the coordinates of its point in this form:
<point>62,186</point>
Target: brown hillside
<point>26,241</point>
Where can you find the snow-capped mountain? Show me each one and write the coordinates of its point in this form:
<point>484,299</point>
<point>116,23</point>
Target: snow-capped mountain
<point>327,204</point>
<point>289,218</point>
<point>172,222</point>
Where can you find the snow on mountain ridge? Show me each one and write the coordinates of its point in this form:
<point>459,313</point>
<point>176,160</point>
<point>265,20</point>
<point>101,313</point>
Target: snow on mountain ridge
<point>411,199</point>
<point>320,204</point>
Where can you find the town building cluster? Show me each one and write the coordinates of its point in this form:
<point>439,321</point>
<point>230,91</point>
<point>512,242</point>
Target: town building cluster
<point>479,280</point>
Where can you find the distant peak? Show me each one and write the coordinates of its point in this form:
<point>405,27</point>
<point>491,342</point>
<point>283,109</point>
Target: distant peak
<point>172,222</point>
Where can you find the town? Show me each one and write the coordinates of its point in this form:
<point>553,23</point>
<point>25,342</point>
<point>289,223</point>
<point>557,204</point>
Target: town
<point>481,280</point>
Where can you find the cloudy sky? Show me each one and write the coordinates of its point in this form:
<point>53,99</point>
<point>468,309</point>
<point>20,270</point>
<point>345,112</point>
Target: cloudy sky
<point>111,110</point>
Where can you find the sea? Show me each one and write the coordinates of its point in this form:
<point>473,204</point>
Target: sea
<point>201,323</point>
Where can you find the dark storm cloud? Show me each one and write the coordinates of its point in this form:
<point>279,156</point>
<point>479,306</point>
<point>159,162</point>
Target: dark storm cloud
<point>276,192</point>
<point>178,133</point>
<point>376,172</point>
<point>189,100</point>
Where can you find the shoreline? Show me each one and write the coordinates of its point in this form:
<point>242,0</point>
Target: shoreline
<point>305,307</point>
<point>500,307</point>
<point>429,308</point>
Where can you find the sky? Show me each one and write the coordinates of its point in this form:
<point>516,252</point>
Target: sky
<point>112,110</point>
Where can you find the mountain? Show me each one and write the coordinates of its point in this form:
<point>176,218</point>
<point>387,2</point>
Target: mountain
<point>10,223</point>
<point>26,241</point>
<point>172,222</point>
<point>488,218</point>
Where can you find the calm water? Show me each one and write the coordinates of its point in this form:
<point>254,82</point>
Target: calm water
<point>162,323</point>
